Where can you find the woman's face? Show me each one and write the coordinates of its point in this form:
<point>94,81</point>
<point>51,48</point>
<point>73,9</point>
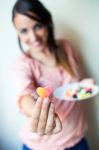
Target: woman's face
<point>31,32</point>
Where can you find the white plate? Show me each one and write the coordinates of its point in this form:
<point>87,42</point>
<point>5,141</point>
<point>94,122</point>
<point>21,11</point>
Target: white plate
<point>60,92</point>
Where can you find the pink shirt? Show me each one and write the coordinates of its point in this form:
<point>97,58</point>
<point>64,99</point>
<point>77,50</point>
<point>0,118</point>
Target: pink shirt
<point>29,73</point>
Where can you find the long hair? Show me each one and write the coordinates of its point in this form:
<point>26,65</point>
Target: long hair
<point>42,15</point>
<point>29,7</point>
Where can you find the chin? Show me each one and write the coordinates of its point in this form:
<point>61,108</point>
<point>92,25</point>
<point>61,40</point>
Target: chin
<point>38,48</point>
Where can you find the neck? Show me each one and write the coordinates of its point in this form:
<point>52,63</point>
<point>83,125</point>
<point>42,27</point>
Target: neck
<point>45,57</point>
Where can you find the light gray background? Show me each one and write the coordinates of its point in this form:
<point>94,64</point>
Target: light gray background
<point>76,20</point>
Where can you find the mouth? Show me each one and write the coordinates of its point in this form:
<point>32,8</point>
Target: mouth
<point>37,44</point>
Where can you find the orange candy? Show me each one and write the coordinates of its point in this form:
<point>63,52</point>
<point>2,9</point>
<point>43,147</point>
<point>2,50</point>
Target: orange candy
<point>44,92</point>
<point>41,92</point>
<point>48,90</point>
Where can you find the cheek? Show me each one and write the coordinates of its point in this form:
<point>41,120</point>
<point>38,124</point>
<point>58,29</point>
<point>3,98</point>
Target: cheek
<point>46,36</point>
<point>24,39</point>
<point>43,35</point>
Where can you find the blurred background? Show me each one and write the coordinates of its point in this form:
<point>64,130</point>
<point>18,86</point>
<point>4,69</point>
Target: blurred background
<point>75,20</point>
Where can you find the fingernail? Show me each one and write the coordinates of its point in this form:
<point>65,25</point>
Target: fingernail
<point>46,101</point>
<point>40,99</point>
<point>52,105</point>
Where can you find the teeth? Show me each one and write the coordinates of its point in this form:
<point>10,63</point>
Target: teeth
<point>37,43</point>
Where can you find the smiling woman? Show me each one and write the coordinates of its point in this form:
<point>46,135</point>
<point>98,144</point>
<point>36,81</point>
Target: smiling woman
<point>50,123</point>
<point>31,32</point>
<point>41,17</point>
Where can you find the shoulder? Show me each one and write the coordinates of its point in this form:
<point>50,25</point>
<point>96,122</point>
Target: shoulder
<point>23,59</point>
<point>21,62</point>
<point>67,46</point>
<point>71,52</point>
<point>64,43</point>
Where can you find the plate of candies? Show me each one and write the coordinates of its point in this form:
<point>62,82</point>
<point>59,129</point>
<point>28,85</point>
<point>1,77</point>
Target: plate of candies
<point>76,91</point>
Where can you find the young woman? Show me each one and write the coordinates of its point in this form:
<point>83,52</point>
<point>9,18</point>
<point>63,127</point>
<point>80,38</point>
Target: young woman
<point>51,124</point>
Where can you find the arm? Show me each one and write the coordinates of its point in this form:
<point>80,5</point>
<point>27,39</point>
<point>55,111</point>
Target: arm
<point>75,61</point>
<point>42,113</point>
<point>27,104</point>
<point>76,64</point>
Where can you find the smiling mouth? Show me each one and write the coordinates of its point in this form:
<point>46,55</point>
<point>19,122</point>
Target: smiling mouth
<point>37,44</point>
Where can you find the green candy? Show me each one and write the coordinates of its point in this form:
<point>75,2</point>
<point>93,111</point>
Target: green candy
<point>83,96</point>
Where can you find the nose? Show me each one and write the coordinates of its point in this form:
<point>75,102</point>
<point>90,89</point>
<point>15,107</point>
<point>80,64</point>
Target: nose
<point>32,36</point>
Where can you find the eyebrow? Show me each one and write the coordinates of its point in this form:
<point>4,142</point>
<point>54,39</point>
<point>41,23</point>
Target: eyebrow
<point>33,16</point>
<point>22,29</point>
<point>33,26</point>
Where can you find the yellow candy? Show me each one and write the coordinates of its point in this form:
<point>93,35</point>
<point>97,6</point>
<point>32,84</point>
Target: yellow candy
<point>41,92</point>
<point>69,93</point>
<point>83,96</point>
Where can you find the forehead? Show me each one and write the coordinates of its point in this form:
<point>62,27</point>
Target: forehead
<point>22,21</point>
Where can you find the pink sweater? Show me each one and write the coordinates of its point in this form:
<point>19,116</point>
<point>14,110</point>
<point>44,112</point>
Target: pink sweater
<point>29,73</point>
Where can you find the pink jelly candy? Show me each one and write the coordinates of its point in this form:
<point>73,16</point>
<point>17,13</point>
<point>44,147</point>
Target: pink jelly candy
<point>44,91</point>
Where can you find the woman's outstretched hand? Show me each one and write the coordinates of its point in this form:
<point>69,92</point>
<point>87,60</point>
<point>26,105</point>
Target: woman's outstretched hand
<point>88,80</point>
<point>44,118</point>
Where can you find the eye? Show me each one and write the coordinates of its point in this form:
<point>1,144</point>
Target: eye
<point>23,31</point>
<point>38,26</point>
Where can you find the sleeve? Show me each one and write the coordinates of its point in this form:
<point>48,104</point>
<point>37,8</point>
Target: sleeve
<point>75,61</point>
<point>24,80</point>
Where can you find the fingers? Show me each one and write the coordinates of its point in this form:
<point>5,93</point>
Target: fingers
<point>50,120</point>
<point>88,80</point>
<point>58,126</point>
<point>44,119</point>
<point>36,114</point>
<point>43,116</point>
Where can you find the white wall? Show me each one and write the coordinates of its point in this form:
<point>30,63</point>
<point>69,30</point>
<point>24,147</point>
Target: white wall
<point>76,20</point>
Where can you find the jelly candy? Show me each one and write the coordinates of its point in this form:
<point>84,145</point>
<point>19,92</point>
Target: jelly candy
<point>48,90</point>
<point>41,92</point>
<point>44,92</point>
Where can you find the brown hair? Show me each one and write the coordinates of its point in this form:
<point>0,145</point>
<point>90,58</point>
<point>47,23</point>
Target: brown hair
<point>62,57</point>
<point>43,16</point>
